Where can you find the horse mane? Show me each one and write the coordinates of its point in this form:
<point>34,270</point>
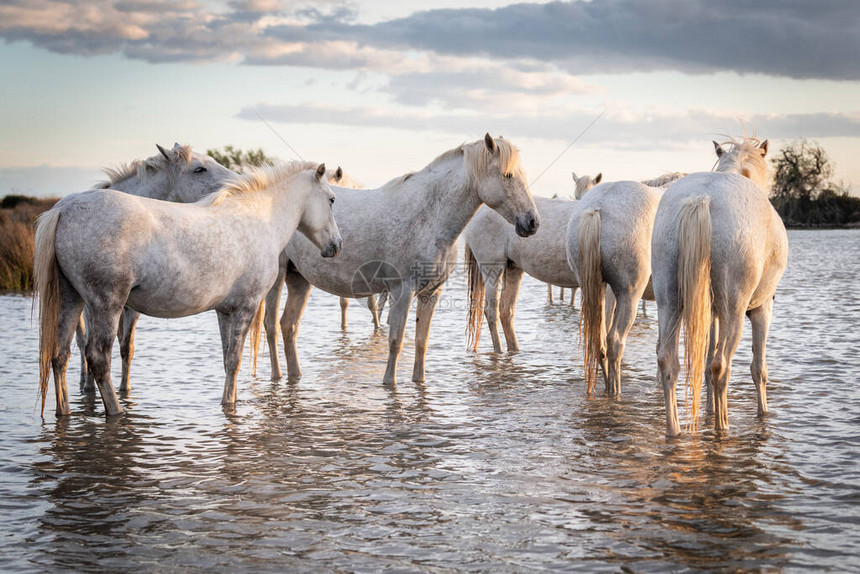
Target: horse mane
<point>744,157</point>
<point>256,179</point>
<point>477,158</point>
<point>664,180</point>
<point>138,167</point>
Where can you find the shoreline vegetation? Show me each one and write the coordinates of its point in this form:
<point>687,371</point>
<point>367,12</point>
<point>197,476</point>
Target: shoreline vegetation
<point>803,194</point>
<point>18,215</point>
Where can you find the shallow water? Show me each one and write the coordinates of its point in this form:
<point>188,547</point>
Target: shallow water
<point>498,464</point>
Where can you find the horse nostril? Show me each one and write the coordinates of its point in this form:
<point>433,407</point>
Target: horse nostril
<point>532,224</point>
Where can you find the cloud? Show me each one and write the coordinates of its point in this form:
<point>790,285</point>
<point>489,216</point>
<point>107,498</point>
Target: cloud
<point>773,37</point>
<point>619,127</point>
<point>791,39</point>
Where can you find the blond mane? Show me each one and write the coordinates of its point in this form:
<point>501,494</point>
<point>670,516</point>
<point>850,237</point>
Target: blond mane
<point>476,158</point>
<point>744,157</point>
<point>256,179</point>
<point>138,167</point>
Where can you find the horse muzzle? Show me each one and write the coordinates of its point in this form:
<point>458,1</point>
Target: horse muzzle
<point>333,248</point>
<point>527,225</point>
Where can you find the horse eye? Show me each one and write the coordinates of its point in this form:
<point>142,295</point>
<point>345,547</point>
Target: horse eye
<point>331,200</point>
<point>200,169</point>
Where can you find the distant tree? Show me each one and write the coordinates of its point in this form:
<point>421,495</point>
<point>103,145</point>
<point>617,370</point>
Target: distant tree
<point>802,171</point>
<point>803,191</point>
<point>237,159</point>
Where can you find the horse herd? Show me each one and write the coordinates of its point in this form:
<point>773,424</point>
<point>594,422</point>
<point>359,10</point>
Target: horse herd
<point>178,234</point>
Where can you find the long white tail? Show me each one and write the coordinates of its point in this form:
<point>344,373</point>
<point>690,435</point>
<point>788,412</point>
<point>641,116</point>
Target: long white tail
<point>694,291</point>
<point>476,300</point>
<point>46,277</point>
<point>592,330</point>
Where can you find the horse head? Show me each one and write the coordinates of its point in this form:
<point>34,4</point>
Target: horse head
<point>585,183</point>
<point>317,222</point>
<point>190,175</point>
<point>501,183</point>
<point>744,157</point>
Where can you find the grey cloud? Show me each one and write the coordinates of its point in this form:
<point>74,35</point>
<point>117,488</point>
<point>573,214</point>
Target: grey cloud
<point>794,39</point>
<point>628,132</point>
<point>797,38</point>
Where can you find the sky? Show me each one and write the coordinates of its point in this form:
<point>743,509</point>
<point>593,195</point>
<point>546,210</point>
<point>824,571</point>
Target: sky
<point>383,87</point>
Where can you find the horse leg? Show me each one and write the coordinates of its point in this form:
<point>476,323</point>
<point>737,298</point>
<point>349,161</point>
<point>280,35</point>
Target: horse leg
<point>729,336</point>
<point>71,306</point>
<point>374,310</point>
<point>398,313</point>
<point>298,291</point>
<point>644,310</point>
<point>127,325</point>
<point>239,322</point>
<point>549,293</point>
<point>760,319</point>
<point>609,316</point>
<point>103,328</point>
<point>344,303</point>
<point>668,365</point>
<point>623,317</point>
<point>423,316</point>
<point>561,294</point>
<point>709,380</point>
<point>383,299</point>
<point>87,384</point>
<point>572,295</point>
<point>508,305</point>
<point>491,309</point>
<point>270,321</point>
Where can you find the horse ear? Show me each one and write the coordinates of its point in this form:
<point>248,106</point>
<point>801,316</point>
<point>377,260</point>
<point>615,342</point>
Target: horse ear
<point>719,149</point>
<point>176,145</point>
<point>338,175</point>
<point>163,152</point>
<point>320,171</point>
<point>763,148</point>
<point>575,179</point>
<point>490,142</point>
<point>598,177</point>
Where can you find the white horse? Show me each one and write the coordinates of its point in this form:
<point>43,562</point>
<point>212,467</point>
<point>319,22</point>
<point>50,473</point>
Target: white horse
<point>177,175</point>
<point>608,243</point>
<point>497,257</point>
<point>107,250</point>
<point>402,238</point>
<point>719,250</point>
<point>339,178</point>
<point>582,185</point>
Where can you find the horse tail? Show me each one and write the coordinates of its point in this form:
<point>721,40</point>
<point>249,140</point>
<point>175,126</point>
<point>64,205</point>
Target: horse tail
<point>694,290</point>
<point>46,278</point>
<point>592,331</point>
<point>255,332</point>
<point>476,299</point>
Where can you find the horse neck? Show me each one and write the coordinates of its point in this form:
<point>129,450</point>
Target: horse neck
<point>280,206</point>
<point>446,200</point>
<point>156,186</point>
<point>751,172</point>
